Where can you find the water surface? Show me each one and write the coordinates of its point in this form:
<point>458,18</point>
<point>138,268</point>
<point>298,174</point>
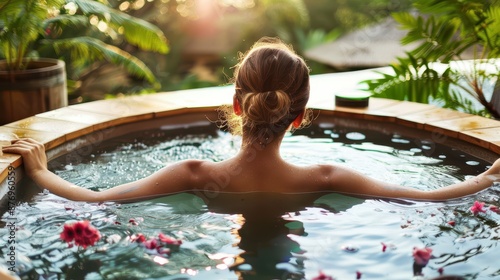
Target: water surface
<point>262,235</point>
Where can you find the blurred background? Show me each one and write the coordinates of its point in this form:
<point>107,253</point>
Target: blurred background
<point>205,36</point>
<point>442,52</point>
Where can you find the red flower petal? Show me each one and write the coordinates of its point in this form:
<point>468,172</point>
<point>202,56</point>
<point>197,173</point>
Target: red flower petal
<point>79,227</point>
<point>140,238</point>
<point>82,233</point>
<point>477,207</point>
<point>68,233</point>
<point>169,240</point>
<point>422,255</point>
<point>323,276</point>
<point>151,244</point>
<point>384,247</point>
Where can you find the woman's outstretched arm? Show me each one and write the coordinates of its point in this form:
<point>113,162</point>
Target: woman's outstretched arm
<point>174,178</point>
<point>186,175</point>
<point>346,180</point>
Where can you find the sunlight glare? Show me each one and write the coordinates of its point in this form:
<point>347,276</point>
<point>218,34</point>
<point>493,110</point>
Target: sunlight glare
<point>102,26</point>
<point>94,20</point>
<point>138,4</point>
<point>71,8</point>
<point>160,260</point>
<point>124,6</point>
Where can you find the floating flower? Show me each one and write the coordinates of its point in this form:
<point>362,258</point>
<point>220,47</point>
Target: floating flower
<point>323,276</point>
<point>151,244</point>
<point>161,244</point>
<point>358,274</point>
<point>384,247</point>
<point>494,208</point>
<point>451,223</point>
<point>140,238</point>
<point>81,233</point>
<point>422,255</point>
<point>68,233</point>
<point>477,207</point>
<point>169,240</point>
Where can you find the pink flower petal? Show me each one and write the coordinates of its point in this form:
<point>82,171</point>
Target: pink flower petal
<point>477,207</point>
<point>68,233</point>
<point>151,244</point>
<point>139,238</point>
<point>422,255</point>
<point>82,233</point>
<point>169,240</point>
<point>323,276</point>
<point>384,247</point>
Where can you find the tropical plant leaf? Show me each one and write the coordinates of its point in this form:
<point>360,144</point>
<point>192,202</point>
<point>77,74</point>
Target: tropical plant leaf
<point>491,32</point>
<point>85,50</point>
<point>413,80</point>
<point>20,22</point>
<point>67,20</point>
<point>406,20</point>
<point>136,31</point>
<point>445,29</point>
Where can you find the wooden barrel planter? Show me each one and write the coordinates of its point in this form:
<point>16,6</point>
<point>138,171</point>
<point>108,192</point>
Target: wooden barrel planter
<point>39,88</point>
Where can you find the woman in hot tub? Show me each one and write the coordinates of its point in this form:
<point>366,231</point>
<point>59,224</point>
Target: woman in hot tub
<point>271,92</point>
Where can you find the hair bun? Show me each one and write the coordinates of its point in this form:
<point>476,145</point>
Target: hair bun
<point>268,107</point>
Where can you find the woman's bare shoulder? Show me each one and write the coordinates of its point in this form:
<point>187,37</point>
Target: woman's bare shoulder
<point>332,177</point>
<point>315,177</point>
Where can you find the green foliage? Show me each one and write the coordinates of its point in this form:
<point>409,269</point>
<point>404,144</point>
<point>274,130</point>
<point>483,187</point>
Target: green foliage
<point>20,26</point>
<point>412,80</point>
<point>136,31</point>
<point>436,35</point>
<point>189,82</point>
<point>347,15</point>
<point>83,49</point>
<point>31,27</point>
<point>313,38</point>
<point>446,30</point>
<point>274,18</point>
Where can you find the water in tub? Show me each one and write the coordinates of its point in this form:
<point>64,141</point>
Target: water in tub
<point>259,235</point>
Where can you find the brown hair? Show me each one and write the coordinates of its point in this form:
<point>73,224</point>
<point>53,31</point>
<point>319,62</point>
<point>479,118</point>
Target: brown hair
<point>272,87</point>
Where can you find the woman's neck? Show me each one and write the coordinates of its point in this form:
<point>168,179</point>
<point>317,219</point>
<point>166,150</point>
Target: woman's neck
<point>257,152</point>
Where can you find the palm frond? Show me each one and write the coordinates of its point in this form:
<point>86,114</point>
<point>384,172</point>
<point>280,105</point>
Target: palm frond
<point>85,50</point>
<point>20,26</point>
<point>437,37</point>
<point>444,29</point>
<point>412,80</point>
<point>67,20</point>
<point>453,9</point>
<point>491,32</point>
<point>136,31</point>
